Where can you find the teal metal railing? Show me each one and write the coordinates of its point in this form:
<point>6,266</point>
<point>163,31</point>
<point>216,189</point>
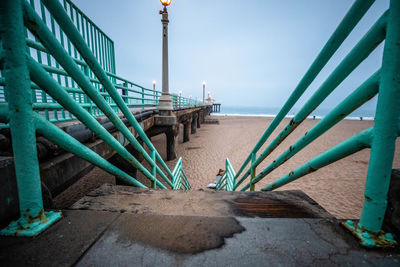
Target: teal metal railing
<point>227,180</point>
<point>180,179</point>
<point>380,138</point>
<point>56,65</point>
<point>102,47</point>
<point>180,102</point>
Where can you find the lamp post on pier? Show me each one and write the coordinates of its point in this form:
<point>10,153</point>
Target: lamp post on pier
<point>154,92</point>
<point>165,103</point>
<point>180,99</point>
<point>204,92</point>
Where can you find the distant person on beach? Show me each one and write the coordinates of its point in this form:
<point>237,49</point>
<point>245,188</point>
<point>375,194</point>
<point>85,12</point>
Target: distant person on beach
<point>219,175</point>
<point>217,178</point>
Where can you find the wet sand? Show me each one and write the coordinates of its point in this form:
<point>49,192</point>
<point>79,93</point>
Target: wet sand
<point>338,187</point>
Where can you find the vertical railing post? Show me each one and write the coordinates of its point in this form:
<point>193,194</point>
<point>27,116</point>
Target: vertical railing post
<point>153,169</point>
<point>142,98</point>
<point>253,172</point>
<point>86,99</point>
<point>33,219</point>
<point>385,128</point>
<point>227,170</point>
<point>20,107</point>
<point>383,141</point>
<point>233,178</point>
<point>125,93</point>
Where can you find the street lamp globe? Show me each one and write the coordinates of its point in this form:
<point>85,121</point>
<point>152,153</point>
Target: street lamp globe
<point>165,2</point>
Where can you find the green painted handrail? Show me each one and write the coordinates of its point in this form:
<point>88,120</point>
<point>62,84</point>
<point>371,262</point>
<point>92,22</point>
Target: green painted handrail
<point>71,75</point>
<point>380,138</point>
<point>357,11</point>
<point>227,180</point>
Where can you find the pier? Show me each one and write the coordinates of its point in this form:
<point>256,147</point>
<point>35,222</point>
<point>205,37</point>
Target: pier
<point>216,107</point>
<point>64,110</point>
<point>59,168</point>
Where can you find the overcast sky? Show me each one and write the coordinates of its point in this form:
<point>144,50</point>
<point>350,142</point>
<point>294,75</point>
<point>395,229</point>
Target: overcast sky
<point>250,53</point>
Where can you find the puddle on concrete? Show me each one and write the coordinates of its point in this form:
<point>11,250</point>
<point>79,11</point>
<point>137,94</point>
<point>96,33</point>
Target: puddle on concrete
<point>179,234</point>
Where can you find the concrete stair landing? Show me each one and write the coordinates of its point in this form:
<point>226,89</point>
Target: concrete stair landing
<point>279,204</point>
<point>125,226</point>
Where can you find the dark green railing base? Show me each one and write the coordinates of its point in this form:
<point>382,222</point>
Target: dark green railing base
<point>27,226</point>
<point>368,239</point>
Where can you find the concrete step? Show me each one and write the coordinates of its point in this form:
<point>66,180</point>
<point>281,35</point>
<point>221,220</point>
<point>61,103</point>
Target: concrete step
<point>126,226</point>
<point>276,204</point>
<point>99,238</point>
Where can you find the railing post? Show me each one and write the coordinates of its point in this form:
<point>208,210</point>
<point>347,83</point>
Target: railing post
<point>33,219</point>
<point>142,98</point>
<point>226,171</point>
<point>384,140</point>
<point>253,172</point>
<point>175,102</point>
<point>153,169</point>
<point>125,93</point>
<point>86,98</point>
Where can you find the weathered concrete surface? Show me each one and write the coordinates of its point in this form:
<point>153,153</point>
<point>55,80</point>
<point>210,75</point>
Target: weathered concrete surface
<point>265,242</point>
<point>149,238</point>
<point>9,206</point>
<point>392,216</point>
<point>178,234</point>
<point>193,125</point>
<point>61,245</point>
<point>164,120</point>
<point>90,238</point>
<point>277,204</point>
<point>186,130</point>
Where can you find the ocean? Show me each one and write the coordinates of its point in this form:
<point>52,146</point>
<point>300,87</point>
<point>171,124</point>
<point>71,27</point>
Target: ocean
<point>359,114</point>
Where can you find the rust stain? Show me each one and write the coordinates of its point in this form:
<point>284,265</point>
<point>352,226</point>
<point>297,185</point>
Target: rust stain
<point>254,206</point>
<point>311,169</point>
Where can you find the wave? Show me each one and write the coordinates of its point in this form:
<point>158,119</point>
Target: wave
<point>287,116</point>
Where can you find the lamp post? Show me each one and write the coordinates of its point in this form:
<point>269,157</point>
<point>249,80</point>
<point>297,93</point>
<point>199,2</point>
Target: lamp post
<point>180,98</point>
<point>154,92</point>
<point>165,102</point>
<point>204,92</point>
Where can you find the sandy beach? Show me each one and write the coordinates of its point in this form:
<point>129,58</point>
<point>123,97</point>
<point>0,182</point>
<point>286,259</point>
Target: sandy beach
<point>338,187</point>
